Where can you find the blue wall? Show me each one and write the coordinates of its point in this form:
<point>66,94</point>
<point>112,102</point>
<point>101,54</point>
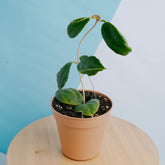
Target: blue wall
<point>33,46</point>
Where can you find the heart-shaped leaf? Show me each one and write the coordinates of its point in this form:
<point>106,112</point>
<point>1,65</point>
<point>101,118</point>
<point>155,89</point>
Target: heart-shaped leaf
<point>89,65</point>
<point>75,27</point>
<point>114,39</point>
<point>90,108</point>
<point>62,75</point>
<point>69,96</point>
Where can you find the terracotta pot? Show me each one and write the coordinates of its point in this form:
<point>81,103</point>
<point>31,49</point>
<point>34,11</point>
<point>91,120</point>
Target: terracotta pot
<point>81,137</point>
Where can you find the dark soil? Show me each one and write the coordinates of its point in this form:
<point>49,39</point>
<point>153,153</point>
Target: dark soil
<point>68,110</point>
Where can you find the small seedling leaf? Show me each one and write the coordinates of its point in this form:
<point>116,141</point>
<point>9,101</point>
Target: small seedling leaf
<point>114,39</point>
<point>69,96</point>
<point>62,75</point>
<point>75,27</point>
<point>90,108</point>
<point>89,65</point>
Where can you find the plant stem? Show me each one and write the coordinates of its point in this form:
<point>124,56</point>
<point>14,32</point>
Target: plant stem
<point>74,62</point>
<point>92,86</point>
<point>97,17</point>
<point>102,20</point>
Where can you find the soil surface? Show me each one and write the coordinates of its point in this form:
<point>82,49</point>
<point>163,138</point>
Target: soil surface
<point>68,110</point>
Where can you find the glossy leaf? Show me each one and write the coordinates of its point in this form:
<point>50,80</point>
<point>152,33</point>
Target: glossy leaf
<point>89,65</point>
<point>69,96</point>
<point>62,75</point>
<point>90,108</point>
<point>75,27</point>
<point>114,39</point>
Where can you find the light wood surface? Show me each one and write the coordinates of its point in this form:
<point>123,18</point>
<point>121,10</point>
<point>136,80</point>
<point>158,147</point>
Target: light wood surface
<point>123,144</point>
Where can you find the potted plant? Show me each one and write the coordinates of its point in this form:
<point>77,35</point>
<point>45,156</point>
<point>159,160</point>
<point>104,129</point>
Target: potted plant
<point>81,115</point>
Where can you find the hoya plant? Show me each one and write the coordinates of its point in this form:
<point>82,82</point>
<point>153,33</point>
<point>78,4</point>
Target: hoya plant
<point>89,65</point>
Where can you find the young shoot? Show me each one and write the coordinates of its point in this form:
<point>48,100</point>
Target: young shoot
<point>89,65</point>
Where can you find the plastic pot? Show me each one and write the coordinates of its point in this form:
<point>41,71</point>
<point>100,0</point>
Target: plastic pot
<point>81,137</point>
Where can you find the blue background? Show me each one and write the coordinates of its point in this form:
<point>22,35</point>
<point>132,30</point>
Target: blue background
<point>33,46</point>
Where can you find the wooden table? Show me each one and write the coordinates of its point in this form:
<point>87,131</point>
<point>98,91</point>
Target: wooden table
<point>123,144</point>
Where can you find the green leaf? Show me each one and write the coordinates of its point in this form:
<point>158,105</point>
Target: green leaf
<point>114,39</point>
<point>69,96</point>
<point>90,108</point>
<point>75,27</point>
<point>89,65</point>
<point>62,75</point>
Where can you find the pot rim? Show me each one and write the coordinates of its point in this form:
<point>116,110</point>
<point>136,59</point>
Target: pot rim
<point>85,119</point>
